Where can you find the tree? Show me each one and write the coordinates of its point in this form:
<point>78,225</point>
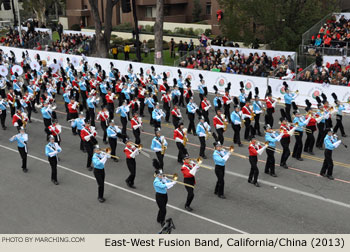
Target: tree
<point>279,23</point>
<point>136,27</point>
<point>39,7</point>
<point>103,37</point>
<point>158,33</point>
<point>197,11</point>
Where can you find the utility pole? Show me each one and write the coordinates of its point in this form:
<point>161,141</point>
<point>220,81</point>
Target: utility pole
<point>19,23</point>
<point>137,39</point>
<point>14,13</point>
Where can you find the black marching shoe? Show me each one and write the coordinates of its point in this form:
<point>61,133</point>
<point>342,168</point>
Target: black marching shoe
<point>188,208</point>
<point>4,128</point>
<point>25,170</point>
<point>54,182</point>
<point>249,181</point>
<point>330,177</point>
<point>221,196</point>
<point>344,135</point>
<point>130,185</point>
<point>312,153</point>
<point>322,174</point>
<point>300,159</point>
<point>273,175</point>
<point>240,145</point>
<point>101,200</point>
<point>285,166</point>
<point>89,168</point>
<point>257,184</point>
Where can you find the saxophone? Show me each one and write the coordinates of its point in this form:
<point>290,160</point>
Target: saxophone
<point>225,122</point>
<point>185,137</point>
<point>163,147</point>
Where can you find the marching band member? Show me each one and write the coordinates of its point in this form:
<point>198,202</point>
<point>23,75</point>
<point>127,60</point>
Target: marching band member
<point>310,129</point>
<point>254,150</point>
<point>298,147</point>
<point>202,88</point>
<point>134,104</point>
<point>339,117</point>
<point>217,102</point>
<point>110,97</point>
<point>91,102</point>
<point>99,160</point>
<point>113,132</point>
<point>136,125</point>
<point>150,105</point>
<point>219,122</point>
<point>285,140</point>
<point>176,115</point>
<point>159,145</point>
<point>19,120</point>
<point>66,101</point>
<point>11,99</point>
<point>161,184</point>
<point>55,130</point>
<point>131,152</point>
<point>242,96</point>
<point>192,108</point>
<point>103,117</point>
<point>236,122</point>
<point>166,98</point>
<point>175,94</point>
<point>189,170</point>
<point>288,99</point>
<point>88,135</point>
<point>141,97</point>
<point>248,116</point>
<point>3,105</point>
<point>220,157</point>
<point>179,136</point>
<point>157,115</point>
<point>271,137</point>
<point>258,108</point>
<point>51,151</point>
<point>270,107</point>
<point>22,139</point>
<point>321,123</point>
<point>83,90</point>
<point>205,106</point>
<point>79,124</point>
<point>73,107</point>
<point>188,93</point>
<point>28,105</point>
<point>3,81</point>
<point>327,109</point>
<point>124,115</point>
<point>202,130</point>
<point>227,100</point>
<point>330,142</point>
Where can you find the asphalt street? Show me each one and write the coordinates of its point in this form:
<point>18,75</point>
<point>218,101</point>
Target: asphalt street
<point>297,201</point>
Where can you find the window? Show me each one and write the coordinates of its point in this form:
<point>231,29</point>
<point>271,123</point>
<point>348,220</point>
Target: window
<point>150,11</point>
<point>208,8</point>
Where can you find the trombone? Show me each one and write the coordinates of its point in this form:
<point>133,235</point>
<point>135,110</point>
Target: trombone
<point>199,161</point>
<point>231,149</point>
<point>140,147</point>
<point>269,148</point>
<point>107,151</point>
<point>175,177</point>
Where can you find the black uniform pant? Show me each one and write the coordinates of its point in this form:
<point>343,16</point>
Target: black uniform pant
<point>203,145</point>
<point>181,100</point>
<point>205,114</point>
<point>157,124</point>
<point>84,97</point>
<point>29,110</point>
<point>191,126</point>
<point>23,154</point>
<point>269,117</point>
<point>220,132</point>
<point>182,151</point>
<point>89,149</point>
<point>310,140</point>
<point>236,137</point>
<point>166,107</point>
<point>100,179</point>
<point>67,110</point>
<point>227,111</point>
<point>82,147</point>
<point>160,159</point>
<point>53,164</point>
<point>3,117</point>
<point>254,171</point>
<point>257,124</point>
<point>142,106</point>
<point>298,146</point>
<point>90,116</point>
<point>104,128</point>
<point>113,144</point>
<point>339,125</point>
<point>162,200</point>
<point>248,129</point>
<point>288,108</point>
<point>110,107</point>
<point>150,110</point>
<point>176,121</point>
<point>220,174</point>
<point>329,123</point>
<point>321,134</point>
<point>137,134</point>
<point>327,163</point>
<point>131,163</point>
<point>270,161</point>
<point>286,151</point>
<point>190,194</point>
<point>124,121</point>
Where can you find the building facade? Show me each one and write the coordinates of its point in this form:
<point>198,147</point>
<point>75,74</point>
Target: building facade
<point>178,11</point>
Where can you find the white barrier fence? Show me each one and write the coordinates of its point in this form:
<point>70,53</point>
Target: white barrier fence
<point>247,51</point>
<point>331,59</point>
<point>89,34</point>
<point>307,90</point>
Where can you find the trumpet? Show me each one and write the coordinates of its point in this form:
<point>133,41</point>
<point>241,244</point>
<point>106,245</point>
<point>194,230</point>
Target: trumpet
<point>107,151</point>
<point>175,177</point>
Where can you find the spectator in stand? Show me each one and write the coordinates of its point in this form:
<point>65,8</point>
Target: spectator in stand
<point>172,48</point>
<point>180,48</point>
<point>60,30</point>
<point>72,44</point>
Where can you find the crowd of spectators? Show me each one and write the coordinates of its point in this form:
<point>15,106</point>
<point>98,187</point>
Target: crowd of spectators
<point>71,44</point>
<point>237,63</point>
<point>335,73</point>
<point>334,33</point>
<point>12,38</point>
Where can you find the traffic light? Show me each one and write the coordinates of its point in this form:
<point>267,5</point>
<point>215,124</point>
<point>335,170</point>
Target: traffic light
<point>126,6</point>
<point>7,4</point>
